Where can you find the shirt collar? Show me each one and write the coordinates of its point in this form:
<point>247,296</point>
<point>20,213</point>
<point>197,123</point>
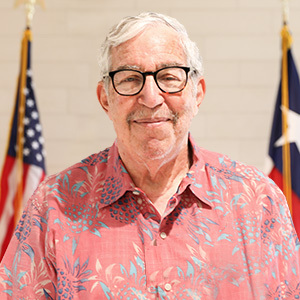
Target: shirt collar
<point>118,181</point>
<point>197,179</point>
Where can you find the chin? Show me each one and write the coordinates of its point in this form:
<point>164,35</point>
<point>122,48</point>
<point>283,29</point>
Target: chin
<point>156,150</point>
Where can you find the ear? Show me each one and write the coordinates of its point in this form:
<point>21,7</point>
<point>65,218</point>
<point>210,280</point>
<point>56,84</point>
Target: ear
<point>102,96</point>
<point>201,89</point>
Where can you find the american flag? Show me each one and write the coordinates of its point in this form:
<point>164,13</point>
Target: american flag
<point>24,165</point>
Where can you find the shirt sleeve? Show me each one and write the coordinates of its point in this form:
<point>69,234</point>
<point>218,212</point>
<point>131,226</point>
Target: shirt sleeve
<point>26,271</point>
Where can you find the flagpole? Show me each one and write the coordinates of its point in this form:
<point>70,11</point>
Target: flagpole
<point>286,44</point>
<point>30,10</point>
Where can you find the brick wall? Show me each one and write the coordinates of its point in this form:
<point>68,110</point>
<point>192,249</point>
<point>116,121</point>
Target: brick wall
<point>239,41</point>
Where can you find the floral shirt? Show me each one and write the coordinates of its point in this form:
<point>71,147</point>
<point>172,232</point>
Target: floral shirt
<point>89,233</point>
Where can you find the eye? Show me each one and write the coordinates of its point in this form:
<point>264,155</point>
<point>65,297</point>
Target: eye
<point>128,77</point>
<point>131,79</point>
<point>168,77</point>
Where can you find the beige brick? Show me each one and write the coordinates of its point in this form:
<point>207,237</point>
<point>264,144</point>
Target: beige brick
<point>13,22</point>
<point>260,74</point>
<point>222,73</point>
<point>198,127</point>
<point>61,75</point>
<point>255,151</point>
<point>9,74</point>
<point>64,48</point>
<point>93,23</point>
<point>49,22</point>
<point>242,48</point>
<point>83,102</point>
<point>11,49</point>
<point>238,100</point>
<point>60,157</point>
<point>267,4</point>
<point>236,126</point>
<point>7,101</point>
<point>199,5</point>
<point>73,127</point>
<point>91,4</point>
<point>224,22</point>
<point>52,101</point>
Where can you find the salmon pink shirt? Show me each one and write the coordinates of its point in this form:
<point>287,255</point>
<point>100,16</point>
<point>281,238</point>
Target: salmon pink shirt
<point>89,233</point>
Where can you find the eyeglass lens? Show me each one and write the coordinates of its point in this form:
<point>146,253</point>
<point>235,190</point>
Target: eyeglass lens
<point>130,82</point>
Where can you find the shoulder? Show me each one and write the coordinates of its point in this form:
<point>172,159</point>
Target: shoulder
<point>73,181</point>
<point>238,175</point>
<point>96,162</point>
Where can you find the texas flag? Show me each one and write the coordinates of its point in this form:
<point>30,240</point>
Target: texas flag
<point>284,148</point>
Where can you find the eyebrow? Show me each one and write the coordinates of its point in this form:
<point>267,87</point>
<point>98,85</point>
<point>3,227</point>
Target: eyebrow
<point>163,65</point>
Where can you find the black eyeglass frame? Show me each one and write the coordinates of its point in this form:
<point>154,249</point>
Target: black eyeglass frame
<point>154,74</point>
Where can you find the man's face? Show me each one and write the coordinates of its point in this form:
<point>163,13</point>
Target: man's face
<point>151,124</point>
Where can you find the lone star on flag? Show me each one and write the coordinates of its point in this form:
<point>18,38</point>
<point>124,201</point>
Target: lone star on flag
<point>293,131</point>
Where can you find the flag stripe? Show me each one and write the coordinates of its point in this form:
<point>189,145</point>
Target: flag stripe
<point>7,216</point>
<point>276,176</point>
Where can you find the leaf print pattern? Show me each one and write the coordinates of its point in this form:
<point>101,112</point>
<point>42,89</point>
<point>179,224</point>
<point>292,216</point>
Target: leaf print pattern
<point>89,233</point>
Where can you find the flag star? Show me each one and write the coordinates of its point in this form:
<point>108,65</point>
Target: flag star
<point>34,115</point>
<point>26,91</point>
<point>26,151</point>
<point>30,103</point>
<point>35,145</point>
<point>29,73</point>
<point>41,140</point>
<point>44,152</point>
<point>30,132</point>
<point>293,132</point>
<point>39,157</point>
<point>26,121</point>
<point>38,127</point>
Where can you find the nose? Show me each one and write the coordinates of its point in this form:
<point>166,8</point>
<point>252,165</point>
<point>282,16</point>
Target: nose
<point>150,96</point>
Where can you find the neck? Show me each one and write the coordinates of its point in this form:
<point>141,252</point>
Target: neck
<point>158,178</point>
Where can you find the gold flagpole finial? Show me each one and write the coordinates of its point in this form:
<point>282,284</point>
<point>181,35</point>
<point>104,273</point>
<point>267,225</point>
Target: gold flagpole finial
<point>30,8</point>
<point>285,11</point>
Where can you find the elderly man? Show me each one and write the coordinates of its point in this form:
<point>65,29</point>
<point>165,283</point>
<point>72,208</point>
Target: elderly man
<point>154,216</point>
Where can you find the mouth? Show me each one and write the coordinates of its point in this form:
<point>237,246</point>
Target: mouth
<point>151,122</point>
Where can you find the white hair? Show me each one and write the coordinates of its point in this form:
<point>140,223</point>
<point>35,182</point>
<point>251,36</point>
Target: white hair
<point>130,27</point>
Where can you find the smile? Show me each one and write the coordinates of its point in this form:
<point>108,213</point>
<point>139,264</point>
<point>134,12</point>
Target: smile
<point>151,122</point>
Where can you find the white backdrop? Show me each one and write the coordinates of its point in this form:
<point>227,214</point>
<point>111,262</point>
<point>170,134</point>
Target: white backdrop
<point>239,41</point>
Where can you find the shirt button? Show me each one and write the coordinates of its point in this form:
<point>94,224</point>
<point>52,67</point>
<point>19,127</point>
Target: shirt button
<point>168,287</point>
<point>136,192</point>
<point>139,201</point>
<point>163,235</point>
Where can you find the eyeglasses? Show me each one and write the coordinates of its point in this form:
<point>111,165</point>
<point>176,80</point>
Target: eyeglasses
<point>169,80</point>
